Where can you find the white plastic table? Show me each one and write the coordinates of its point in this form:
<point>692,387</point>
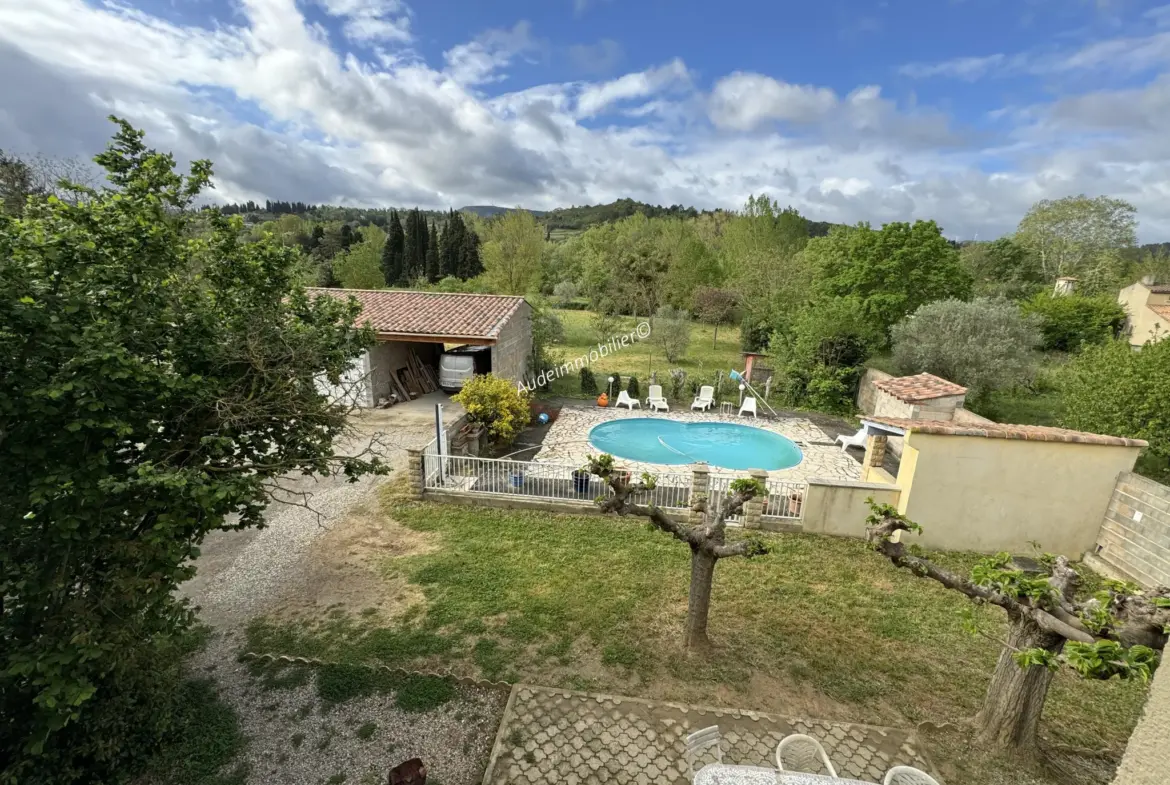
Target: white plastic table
<point>723,774</point>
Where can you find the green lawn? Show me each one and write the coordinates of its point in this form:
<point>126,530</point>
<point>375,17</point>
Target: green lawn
<point>820,627</point>
<point>704,357</point>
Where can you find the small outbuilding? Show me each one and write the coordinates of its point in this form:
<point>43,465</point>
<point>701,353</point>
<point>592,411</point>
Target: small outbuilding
<point>923,396</point>
<point>414,328</point>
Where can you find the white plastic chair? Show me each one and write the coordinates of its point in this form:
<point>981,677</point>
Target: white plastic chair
<point>856,440</point>
<point>701,740</point>
<point>705,399</point>
<point>803,752</point>
<point>624,397</point>
<point>749,405</point>
<point>908,775</point>
<point>657,401</point>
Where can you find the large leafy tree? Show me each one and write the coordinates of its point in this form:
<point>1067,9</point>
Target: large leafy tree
<point>985,344</point>
<point>359,267</point>
<point>1110,388</point>
<point>1081,237</point>
<point>1002,267</point>
<point>512,247</point>
<point>159,378</point>
<point>1113,634</point>
<point>707,539</point>
<point>890,271</point>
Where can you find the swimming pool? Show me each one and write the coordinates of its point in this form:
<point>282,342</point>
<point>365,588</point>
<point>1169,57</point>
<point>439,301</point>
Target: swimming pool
<point>728,446</point>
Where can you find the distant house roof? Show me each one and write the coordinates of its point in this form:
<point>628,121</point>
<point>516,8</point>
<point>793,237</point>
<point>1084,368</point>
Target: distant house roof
<point>921,387</point>
<point>1031,433</point>
<point>1159,288</point>
<point>406,314</point>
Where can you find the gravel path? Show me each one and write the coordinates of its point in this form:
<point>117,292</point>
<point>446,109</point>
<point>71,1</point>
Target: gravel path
<point>294,740</point>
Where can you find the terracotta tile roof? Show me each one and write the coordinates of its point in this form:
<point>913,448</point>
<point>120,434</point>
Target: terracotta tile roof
<point>453,316</point>
<point>1161,310</point>
<point>1160,288</point>
<point>922,387</point>
<point>1032,433</point>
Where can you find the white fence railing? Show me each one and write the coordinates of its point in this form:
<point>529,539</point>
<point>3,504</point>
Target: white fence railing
<point>785,499</point>
<point>718,488</point>
<point>538,480</point>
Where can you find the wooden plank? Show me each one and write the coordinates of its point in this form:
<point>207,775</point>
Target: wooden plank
<point>398,388</point>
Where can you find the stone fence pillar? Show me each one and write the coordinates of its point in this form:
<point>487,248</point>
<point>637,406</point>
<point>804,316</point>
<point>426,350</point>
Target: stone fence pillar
<point>875,450</point>
<point>414,472</point>
<point>753,511</point>
<point>700,472</point>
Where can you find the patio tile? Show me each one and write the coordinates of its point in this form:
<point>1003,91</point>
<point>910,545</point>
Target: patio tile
<point>630,740</point>
<point>567,443</point>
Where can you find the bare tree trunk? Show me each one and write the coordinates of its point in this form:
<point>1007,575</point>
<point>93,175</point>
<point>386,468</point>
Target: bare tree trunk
<point>1011,711</point>
<point>715,340</point>
<point>699,602</point>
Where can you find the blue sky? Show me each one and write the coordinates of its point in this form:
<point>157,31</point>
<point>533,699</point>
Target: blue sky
<point>966,111</point>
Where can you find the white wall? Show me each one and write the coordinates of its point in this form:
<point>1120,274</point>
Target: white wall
<point>355,386</point>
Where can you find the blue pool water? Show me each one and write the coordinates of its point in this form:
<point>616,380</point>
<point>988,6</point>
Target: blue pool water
<point>655,440</point>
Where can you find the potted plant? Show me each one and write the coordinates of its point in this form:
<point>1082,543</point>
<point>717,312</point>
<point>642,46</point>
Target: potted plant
<point>517,477</point>
<point>581,479</point>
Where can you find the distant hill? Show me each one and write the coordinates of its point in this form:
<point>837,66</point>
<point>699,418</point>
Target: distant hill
<point>489,210</point>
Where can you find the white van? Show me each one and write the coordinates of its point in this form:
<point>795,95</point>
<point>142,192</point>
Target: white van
<point>459,365</point>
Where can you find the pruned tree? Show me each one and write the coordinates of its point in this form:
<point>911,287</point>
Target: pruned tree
<point>1114,634</point>
<point>707,540</point>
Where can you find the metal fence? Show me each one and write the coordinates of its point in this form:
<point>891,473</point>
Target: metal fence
<point>537,480</point>
<point>718,489</point>
<point>785,499</point>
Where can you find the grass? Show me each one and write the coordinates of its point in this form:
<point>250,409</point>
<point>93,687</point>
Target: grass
<point>366,731</point>
<point>820,626</point>
<point>205,739</point>
<point>701,359</point>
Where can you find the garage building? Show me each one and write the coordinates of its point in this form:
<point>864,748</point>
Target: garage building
<point>422,322</point>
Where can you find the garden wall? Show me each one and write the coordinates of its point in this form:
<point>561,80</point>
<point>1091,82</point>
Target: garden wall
<point>1134,540</point>
<point>839,508</point>
<point>866,392</point>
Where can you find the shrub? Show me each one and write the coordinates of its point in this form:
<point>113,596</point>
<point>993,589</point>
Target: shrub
<point>671,332</point>
<point>588,382</point>
<point>617,383</point>
<point>497,404</point>
<point>1071,321</point>
<point>1114,390</point>
<point>678,380</point>
<point>633,389</point>
<point>984,344</point>
<point>831,389</point>
<point>565,292</point>
<point>754,333</point>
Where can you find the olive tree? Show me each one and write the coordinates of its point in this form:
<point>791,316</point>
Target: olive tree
<point>707,539</point>
<point>671,332</point>
<point>1113,634</point>
<point>160,377</point>
<point>985,344</point>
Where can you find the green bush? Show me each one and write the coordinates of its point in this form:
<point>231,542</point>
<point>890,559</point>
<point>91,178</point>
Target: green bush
<point>497,404</point>
<point>1071,321</point>
<point>588,382</point>
<point>633,389</point>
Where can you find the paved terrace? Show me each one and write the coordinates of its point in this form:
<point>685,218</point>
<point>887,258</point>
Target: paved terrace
<point>567,443</point>
<point>576,738</point>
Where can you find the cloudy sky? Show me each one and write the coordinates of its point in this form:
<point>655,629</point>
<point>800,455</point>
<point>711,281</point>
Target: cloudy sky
<point>965,111</point>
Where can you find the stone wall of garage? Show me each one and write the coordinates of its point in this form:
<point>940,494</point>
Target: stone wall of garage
<point>512,350</point>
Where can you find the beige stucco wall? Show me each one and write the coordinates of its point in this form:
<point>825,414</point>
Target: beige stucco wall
<point>989,495</point>
<point>1147,757</point>
<point>839,508</point>
<point>1141,322</point>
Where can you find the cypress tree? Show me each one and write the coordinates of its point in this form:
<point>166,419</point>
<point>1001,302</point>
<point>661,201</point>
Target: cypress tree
<point>416,245</point>
<point>433,272</point>
<point>394,253</point>
<point>451,244</point>
<point>469,263</point>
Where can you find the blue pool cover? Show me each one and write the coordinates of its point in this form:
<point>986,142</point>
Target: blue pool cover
<point>728,446</point>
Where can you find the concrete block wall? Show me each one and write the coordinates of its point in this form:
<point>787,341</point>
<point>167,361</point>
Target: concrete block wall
<point>513,348</point>
<point>1134,540</point>
<point>866,392</point>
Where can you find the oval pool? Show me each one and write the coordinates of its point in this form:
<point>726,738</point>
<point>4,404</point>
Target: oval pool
<point>728,446</point>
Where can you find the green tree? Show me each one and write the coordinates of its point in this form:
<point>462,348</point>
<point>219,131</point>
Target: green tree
<point>1080,237</point>
<point>984,345</point>
<point>1002,267</point>
<point>394,253</point>
<point>1115,390</point>
<point>470,264</point>
<point>761,253</point>
<point>1069,321</point>
<point>434,273</point>
<point>451,244</point>
<point>17,183</point>
<point>417,236</point>
<point>890,271</point>
<point>671,332</point>
<point>1114,633</point>
<point>144,367</point>
<point>716,307</point>
<point>513,242</point>
<point>360,266</point>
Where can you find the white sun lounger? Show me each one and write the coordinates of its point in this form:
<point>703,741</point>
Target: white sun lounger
<point>624,398</point>
<point>657,401</point>
<point>705,399</point>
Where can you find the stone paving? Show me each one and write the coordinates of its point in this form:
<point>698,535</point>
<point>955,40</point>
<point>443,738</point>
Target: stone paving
<point>576,738</point>
<point>567,442</point>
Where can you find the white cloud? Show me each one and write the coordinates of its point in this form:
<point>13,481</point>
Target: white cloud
<point>595,98</point>
<point>968,68</point>
<point>599,58</point>
<point>477,62</point>
<point>372,20</point>
<point>744,101</point>
<point>285,113</point>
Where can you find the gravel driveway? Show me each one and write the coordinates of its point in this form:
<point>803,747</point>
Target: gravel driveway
<point>242,574</point>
